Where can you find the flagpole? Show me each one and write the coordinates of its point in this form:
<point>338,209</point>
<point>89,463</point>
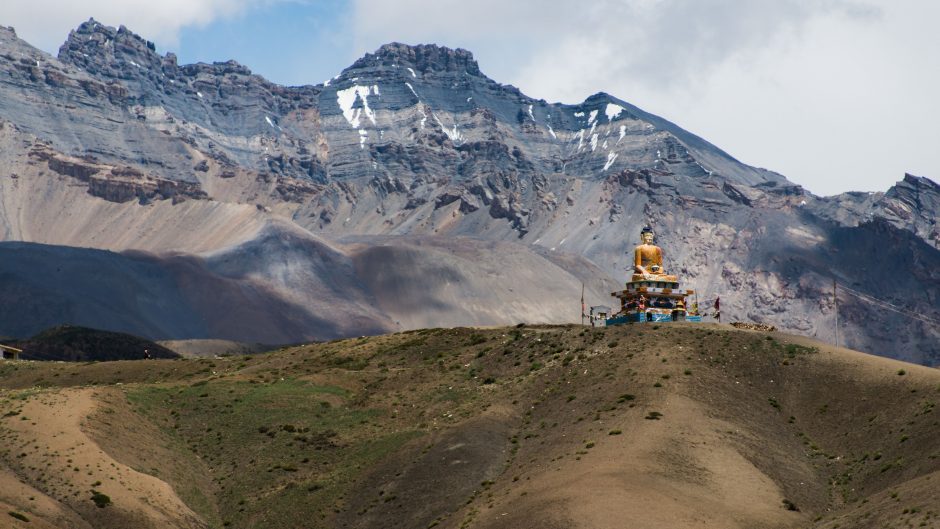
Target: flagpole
<point>582,303</point>
<point>835,302</point>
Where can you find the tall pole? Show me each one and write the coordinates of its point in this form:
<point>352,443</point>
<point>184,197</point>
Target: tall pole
<point>835,303</point>
<point>582,303</point>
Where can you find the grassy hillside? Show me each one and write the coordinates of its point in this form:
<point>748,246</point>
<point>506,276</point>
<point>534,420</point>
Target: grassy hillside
<point>550,426</point>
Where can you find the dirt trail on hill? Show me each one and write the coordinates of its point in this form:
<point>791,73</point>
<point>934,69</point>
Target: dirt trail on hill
<point>66,465</point>
<point>658,474</point>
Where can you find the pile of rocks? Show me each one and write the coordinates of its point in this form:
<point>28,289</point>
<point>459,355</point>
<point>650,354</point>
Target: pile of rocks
<point>753,326</point>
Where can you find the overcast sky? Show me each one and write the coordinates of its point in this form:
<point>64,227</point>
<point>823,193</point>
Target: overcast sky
<point>837,95</point>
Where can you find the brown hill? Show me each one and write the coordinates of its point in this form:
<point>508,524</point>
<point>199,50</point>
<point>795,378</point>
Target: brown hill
<point>212,348</point>
<point>548,426</point>
<point>80,344</point>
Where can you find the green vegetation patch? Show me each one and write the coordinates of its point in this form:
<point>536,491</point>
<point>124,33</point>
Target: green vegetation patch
<point>793,350</point>
<point>101,500</point>
<point>279,449</point>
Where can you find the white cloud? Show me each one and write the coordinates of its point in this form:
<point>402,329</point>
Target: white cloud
<point>845,107</point>
<point>46,23</point>
<point>665,41</point>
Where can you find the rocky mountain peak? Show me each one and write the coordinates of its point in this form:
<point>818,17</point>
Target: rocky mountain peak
<point>921,183</point>
<point>98,48</point>
<point>600,97</point>
<point>216,68</point>
<point>608,106</point>
<point>912,203</point>
<point>917,191</point>
<point>424,58</point>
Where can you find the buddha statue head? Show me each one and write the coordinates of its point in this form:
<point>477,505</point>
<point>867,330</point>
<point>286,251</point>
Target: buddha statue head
<point>647,235</point>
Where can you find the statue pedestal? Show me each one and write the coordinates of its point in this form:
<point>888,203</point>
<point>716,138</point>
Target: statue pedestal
<point>653,298</point>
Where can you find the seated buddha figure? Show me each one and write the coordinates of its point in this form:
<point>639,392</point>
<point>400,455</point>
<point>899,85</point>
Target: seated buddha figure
<point>648,259</point>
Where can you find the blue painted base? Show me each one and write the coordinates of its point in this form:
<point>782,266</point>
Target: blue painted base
<point>619,320</point>
<point>642,318</point>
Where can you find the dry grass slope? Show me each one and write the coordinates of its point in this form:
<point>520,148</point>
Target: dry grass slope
<point>665,426</point>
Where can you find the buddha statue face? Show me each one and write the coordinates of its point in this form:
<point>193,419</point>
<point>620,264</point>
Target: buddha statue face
<point>647,237</point>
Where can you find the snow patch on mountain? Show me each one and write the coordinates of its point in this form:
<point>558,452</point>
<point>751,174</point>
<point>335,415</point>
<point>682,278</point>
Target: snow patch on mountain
<point>612,111</point>
<point>454,134</point>
<point>424,117</point>
<point>610,160</point>
<point>346,99</point>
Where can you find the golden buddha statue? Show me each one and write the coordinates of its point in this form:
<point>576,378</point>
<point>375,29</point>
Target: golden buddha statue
<point>648,260</point>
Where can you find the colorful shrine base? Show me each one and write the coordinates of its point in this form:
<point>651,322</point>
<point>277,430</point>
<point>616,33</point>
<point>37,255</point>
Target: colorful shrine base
<point>652,298</point>
<point>647,317</point>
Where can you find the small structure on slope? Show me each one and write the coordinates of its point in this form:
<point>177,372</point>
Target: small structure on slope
<point>651,293</point>
<point>9,353</point>
<point>599,313</point>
